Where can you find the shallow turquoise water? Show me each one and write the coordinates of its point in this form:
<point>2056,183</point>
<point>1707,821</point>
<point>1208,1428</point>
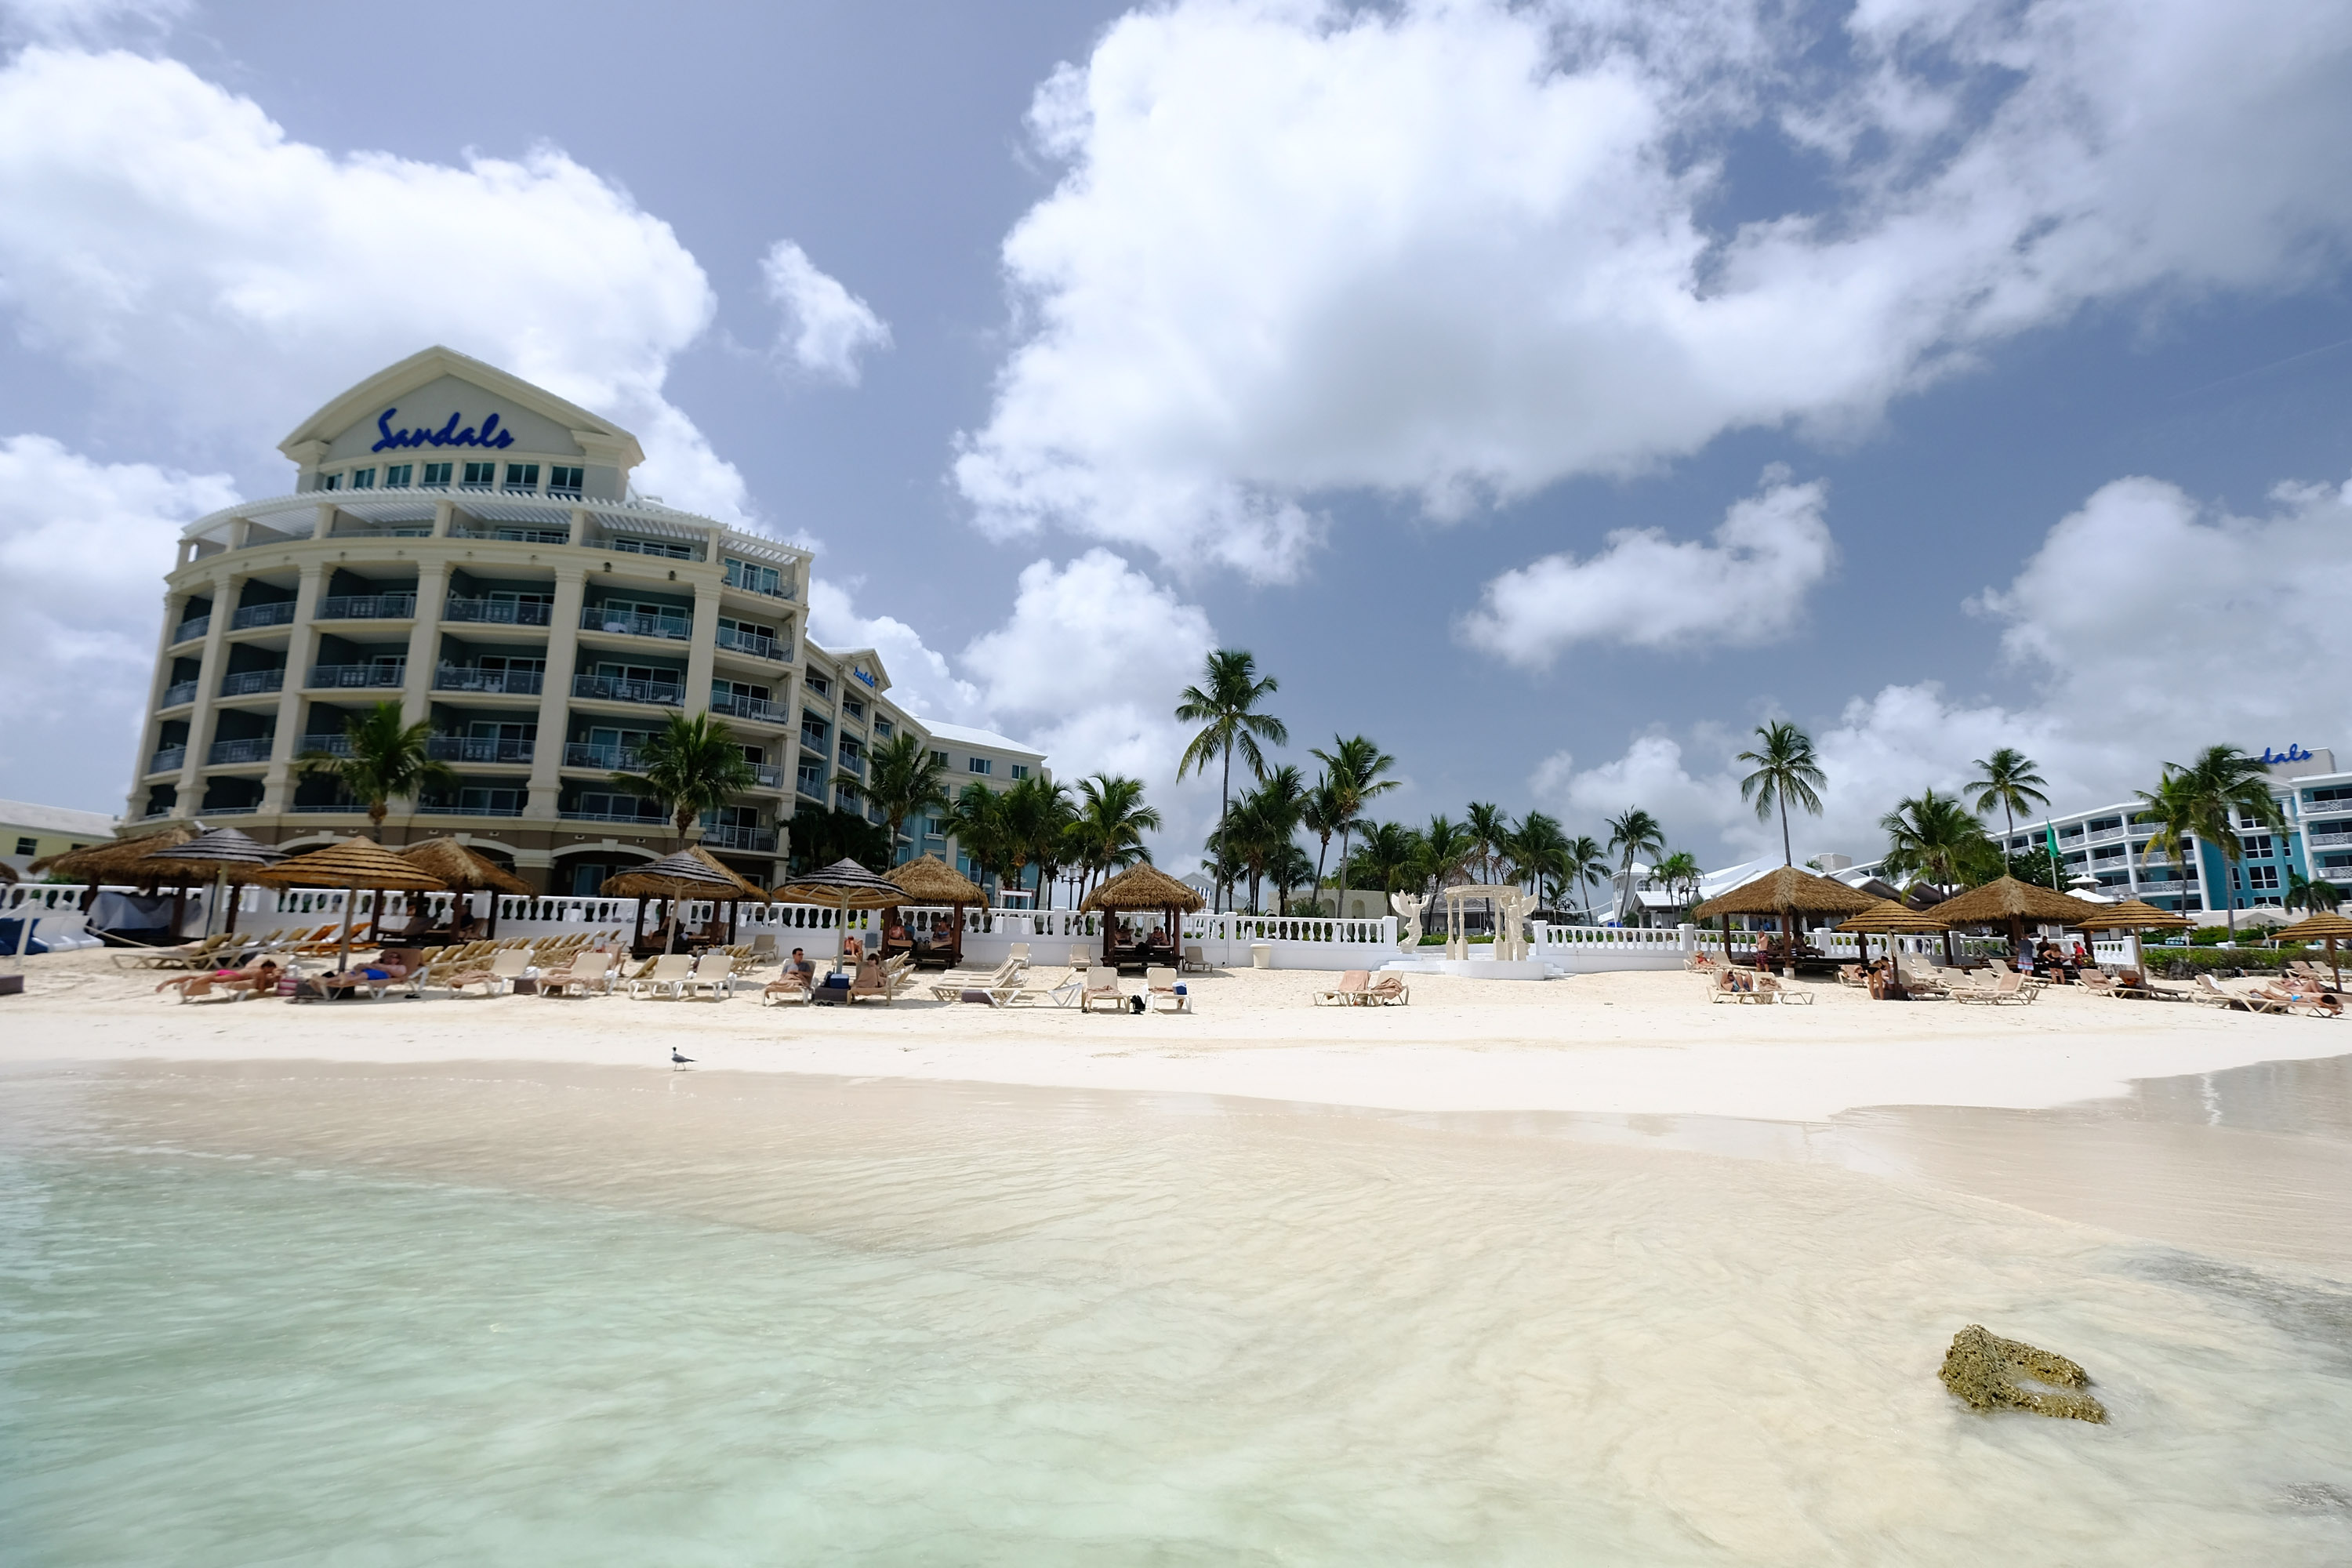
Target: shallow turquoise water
<point>350,1317</point>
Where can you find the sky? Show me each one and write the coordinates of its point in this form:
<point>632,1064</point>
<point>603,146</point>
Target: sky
<point>1551,392</point>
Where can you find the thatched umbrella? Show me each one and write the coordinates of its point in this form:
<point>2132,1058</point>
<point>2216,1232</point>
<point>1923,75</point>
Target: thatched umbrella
<point>354,864</point>
<point>845,886</point>
<point>2008,901</point>
<point>225,855</point>
<point>1785,894</point>
<point>1892,918</point>
<point>2137,915</point>
<point>1141,887</point>
<point>467,872</point>
<point>683,875</point>
<point>2330,928</point>
<point>928,880</point>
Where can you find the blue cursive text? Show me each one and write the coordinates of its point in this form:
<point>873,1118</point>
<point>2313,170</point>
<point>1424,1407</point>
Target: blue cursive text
<point>489,434</point>
<point>2294,753</point>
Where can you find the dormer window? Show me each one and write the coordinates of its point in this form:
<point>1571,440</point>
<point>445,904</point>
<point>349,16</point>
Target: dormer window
<point>362,478</point>
<point>523,477</point>
<point>399,476</point>
<point>479,475</point>
<point>437,477</point>
<point>563,481</point>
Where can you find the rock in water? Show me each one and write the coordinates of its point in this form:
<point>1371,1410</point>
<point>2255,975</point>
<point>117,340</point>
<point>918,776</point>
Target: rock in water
<point>1992,1373</point>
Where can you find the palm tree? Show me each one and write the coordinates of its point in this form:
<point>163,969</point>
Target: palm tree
<point>1324,814</point>
<point>1354,766</point>
<point>692,764</point>
<point>1489,831</point>
<point>1786,770</point>
<point>1932,838</point>
<point>1289,868</point>
<point>976,821</point>
<point>1540,848</point>
<point>1111,822</point>
<point>1390,858</point>
<point>1680,872</point>
<point>2221,788</point>
<point>2007,779</point>
<point>823,835</point>
<point>903,780</point>
<point>1444,848</point>
<point>1588,868</point>
<point>388,760</point>
<point>1262,822</point>
<point>1039,812</point>
<point>2170,808</point>
<point>1225,707</point>
<point>2304,893</point>
<point>1634,833</point>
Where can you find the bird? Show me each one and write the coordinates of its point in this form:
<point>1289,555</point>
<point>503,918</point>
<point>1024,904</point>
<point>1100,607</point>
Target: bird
<point>677,1062</point>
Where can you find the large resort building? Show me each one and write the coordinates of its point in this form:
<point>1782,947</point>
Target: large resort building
<point>469,545</point>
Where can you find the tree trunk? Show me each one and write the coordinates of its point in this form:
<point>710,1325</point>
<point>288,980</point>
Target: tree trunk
<point>1787,856</point>
<point>1225,817</point>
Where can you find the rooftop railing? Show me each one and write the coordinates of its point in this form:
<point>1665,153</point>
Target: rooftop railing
<point>489,682</point>
<point>612,689</point>
<point>347,676</point>
<point>179,691</point>
<point>367,607</point>
<point>246,682</point>
<point>248,616</point>
<point>498,612</point>
<point>169,760</point>
<point>191,628</point>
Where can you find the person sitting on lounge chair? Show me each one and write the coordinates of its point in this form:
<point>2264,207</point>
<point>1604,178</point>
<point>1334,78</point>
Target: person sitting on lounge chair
<point>261,980</point>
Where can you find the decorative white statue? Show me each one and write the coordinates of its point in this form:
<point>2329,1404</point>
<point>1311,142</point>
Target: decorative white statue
<point>1407,908</point>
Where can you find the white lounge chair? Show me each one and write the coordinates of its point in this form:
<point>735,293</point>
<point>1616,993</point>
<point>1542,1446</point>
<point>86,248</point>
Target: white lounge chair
<point>668,976</point>
<point>714,977</point>
<point>1103,990</point>
<point>1159,985</point>
<point>1348,991</point>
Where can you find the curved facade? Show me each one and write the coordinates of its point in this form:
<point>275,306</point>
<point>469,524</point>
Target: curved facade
<point>468,544</point>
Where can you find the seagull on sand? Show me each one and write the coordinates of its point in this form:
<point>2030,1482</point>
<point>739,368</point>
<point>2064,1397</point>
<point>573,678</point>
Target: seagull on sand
<point>677,1062</point>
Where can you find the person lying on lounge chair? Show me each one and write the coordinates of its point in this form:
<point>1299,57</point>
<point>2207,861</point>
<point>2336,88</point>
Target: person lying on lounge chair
<point>261,980</point>
<point>392,965</point>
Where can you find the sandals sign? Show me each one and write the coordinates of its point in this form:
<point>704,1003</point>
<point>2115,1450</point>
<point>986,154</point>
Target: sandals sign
<point>449,434</point>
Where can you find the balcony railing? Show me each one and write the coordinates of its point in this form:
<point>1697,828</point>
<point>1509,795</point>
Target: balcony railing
<point>609,759</point>
<point>280,614</point>
<point>656,819</point>
<point>854,763</point>
<point>597,618</point>
<point>367,607</point>
<point>179,691</point>
<point>612,689</point>
<point>254,749</point>
<point>477,748</point>
<point>2329,834</point>
<point>727,838</point>
<point>228,810</point>
<point>170,760</point>
<point>391,673</point>
<point>2108,836</point>
<point>498,612</point>
<point>770,775</point>
<point>473,678</point>
<point>756,646</point>
<point>758,708</point>
<point>246,682</point>
<point>314,806</point>
<point>326,745</point>
<point>191,628</point>
<point>470,808</point>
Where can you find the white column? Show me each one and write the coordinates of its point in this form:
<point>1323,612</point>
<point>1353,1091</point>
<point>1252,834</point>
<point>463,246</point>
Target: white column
<point>209,678</point>
<point>301,648</point>
<point>425,640</point>
<point>555,694</point>
<point>151,733</point>
<point>702,652</point>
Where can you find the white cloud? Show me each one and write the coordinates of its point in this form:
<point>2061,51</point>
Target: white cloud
<point>1747,588</point>
<point>920,678</point>
<point>169,237</point>
<point>86,21</point>
<point>2151,627</point>
<point>826,327</point>
<point>1459,250</point>
<point>82,546</point>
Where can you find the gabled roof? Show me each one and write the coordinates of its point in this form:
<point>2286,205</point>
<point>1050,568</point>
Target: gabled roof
<point>431,364</point>
<point>963,735</point>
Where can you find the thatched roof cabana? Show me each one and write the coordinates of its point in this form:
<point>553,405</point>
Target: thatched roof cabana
<point>2329,927</point>
<point>1787,891</point>
<point>462,870</point>
<point>2006,901</point>
<point>2133,914</point>
<point>223,856</point>
<point>1891,917</point>
<point>1144,886</point>
<point>114,860</point>
<point>928,880</point>
<point>686,874</point>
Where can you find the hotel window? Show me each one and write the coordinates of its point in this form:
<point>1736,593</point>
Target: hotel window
<point>934,828</point>
<point>882,729</point>
<point>982,765</point>
<point>940,758</point>
<point>853,707</point>
<point>563,481</point>
<point>820,686</point>
<point>1019,771</point>
<point>398,476</point>
<point>481,476</point>
<point>759,579</point>
<point>27,846</point>
<point>437,477</point>
<point>810,777</point>
<point>330,481</point>
<point>664,548</point>
<point>2258,846</point>
<point>362,478</point>
<point>522,475</point>
<point>2261,877</point>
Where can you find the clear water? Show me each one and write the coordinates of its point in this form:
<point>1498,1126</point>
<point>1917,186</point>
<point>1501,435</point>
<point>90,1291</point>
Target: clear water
<point>353,1317</point>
